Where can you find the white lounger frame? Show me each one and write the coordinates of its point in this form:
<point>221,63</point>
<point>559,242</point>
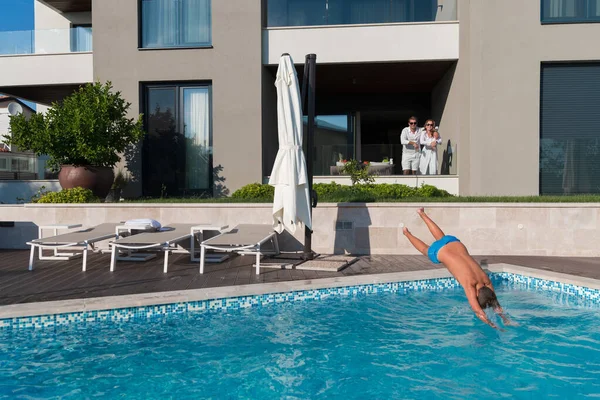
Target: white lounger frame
<point>86,244</point>
<point>165,247</point>
<point>251,249</point>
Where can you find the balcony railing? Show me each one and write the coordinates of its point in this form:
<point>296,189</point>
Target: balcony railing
<point>384,159</point>
<point>46,41</point>
<point>282,13</point>
<point>18,166</point>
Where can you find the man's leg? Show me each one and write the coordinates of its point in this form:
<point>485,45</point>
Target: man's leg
<point>415,241</point>
<point>433,228</point>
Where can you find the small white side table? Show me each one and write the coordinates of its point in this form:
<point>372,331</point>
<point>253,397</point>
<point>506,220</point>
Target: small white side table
<point>55,228</point>
<point>210,257</point>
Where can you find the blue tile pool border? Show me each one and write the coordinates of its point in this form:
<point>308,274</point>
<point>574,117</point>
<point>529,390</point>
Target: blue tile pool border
<point>233,303</point>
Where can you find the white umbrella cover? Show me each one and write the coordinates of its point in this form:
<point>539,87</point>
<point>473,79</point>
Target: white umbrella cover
<point>289,177</point>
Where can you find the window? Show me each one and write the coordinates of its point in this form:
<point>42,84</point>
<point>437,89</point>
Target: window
<point>570,11</point>
<point>81,38</point>
<point>177,156</point>
<point>569,141</point>
<point>175,23</point>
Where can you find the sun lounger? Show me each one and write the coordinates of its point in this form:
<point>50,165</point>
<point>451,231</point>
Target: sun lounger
<point>85,238</point>
<point>243,239</point>
<point>165,240</point>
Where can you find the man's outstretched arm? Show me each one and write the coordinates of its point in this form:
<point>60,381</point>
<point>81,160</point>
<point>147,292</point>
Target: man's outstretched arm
<point>472,297</point>
<point>498,310</point>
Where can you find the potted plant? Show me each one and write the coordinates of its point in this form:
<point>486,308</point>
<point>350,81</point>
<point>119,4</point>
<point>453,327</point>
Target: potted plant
<point>121,180</point>
<point>83,136</point>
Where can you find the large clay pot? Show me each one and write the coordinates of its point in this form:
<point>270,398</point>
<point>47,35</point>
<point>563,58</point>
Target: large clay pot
<point>97,179</point>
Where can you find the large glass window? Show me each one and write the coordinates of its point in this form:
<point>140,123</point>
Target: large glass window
<point>177,148</point>
<point>569,136</point>
<point>570,11</point>
<point>175,23</point>
<point>339,12</point>
<point>333,142</point>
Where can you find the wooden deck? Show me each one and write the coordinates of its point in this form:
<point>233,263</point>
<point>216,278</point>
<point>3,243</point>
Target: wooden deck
<point>63,280</point>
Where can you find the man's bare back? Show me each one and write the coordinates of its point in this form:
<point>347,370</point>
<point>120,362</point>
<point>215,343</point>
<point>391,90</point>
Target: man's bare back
<point>455,256</point>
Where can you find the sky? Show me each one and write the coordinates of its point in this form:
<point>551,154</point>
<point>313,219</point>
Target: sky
<point>16,15</point>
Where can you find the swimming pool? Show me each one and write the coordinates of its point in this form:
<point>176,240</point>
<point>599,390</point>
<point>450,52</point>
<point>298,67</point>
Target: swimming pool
<point>422,344</point>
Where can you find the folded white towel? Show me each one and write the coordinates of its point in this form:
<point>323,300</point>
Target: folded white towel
<point>150,223</point>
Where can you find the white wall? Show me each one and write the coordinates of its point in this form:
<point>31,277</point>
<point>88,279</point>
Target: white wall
<point>569,230</point>
<point>52,33</point>
<point>4,123</point>
<point>41,69</point>
<point>364,43</point>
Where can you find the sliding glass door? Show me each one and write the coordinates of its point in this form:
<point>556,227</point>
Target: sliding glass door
<point>177,148</point>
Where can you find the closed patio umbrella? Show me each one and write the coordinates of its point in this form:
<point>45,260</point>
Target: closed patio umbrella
<point>289,176</point>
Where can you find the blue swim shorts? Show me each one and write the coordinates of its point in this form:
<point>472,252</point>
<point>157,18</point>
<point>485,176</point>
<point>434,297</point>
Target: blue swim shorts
<point>437,245</point>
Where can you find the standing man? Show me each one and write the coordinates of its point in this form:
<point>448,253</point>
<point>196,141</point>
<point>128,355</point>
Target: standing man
<point>409,139</point>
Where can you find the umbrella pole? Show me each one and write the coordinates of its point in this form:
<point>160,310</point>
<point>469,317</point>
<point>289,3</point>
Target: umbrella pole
<point>308,94</point>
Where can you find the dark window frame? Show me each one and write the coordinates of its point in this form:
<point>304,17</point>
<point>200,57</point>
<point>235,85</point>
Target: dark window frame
<point>144,88</point>
<point>207,45</point>
<point>551,64</point>
<point>588,6</point>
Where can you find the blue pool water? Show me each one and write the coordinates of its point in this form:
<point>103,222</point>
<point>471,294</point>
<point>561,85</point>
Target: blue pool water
<point>416,345</point>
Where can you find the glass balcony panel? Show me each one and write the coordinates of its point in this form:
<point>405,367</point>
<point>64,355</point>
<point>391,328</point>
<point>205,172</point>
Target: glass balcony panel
<point>282,13</point>
<point>46,41</point>
<point>384,159</point>
<point>18,166</point>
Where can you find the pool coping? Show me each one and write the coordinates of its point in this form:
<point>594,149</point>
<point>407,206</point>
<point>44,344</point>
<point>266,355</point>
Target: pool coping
<point>194,295</point>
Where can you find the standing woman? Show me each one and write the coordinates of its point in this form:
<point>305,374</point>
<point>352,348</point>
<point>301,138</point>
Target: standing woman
<point>430,138</point>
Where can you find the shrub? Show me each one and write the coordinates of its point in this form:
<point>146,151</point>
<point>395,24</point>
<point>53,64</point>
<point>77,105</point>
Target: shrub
<point>74,195</point>
<point>393,191</point>
<point>431,191</point>
<point>327,189</point>
<point>359,172</point>
<point>89,127</point>
<point>336,193</point>
<point>255,191</point>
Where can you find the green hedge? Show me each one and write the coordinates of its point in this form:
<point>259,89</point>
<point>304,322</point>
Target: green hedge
<point>75,195</point>
<point>335,193</point>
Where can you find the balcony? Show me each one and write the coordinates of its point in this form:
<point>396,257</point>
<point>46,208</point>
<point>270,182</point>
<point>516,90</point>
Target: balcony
<point>287,13</point>
<point>349,31</point>
<point>45,65</point>
<point>17,166</point>
<point>46,41</point>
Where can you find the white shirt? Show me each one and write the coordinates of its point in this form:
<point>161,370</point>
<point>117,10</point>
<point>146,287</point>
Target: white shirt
<point>409,136</point>
<point>426,140</point>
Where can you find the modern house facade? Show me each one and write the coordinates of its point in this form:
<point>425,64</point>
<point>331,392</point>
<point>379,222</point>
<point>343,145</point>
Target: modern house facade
<point>512,85</point>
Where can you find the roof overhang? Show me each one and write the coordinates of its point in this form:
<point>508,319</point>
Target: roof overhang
<point>69,6</point>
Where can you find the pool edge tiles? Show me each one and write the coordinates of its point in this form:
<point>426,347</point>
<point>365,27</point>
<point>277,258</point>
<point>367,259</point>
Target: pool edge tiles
<point>221,304</point>
<point>159,305</point>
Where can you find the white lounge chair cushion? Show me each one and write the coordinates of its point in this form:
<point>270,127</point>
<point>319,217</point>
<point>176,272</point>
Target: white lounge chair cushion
<point>150,223</point>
